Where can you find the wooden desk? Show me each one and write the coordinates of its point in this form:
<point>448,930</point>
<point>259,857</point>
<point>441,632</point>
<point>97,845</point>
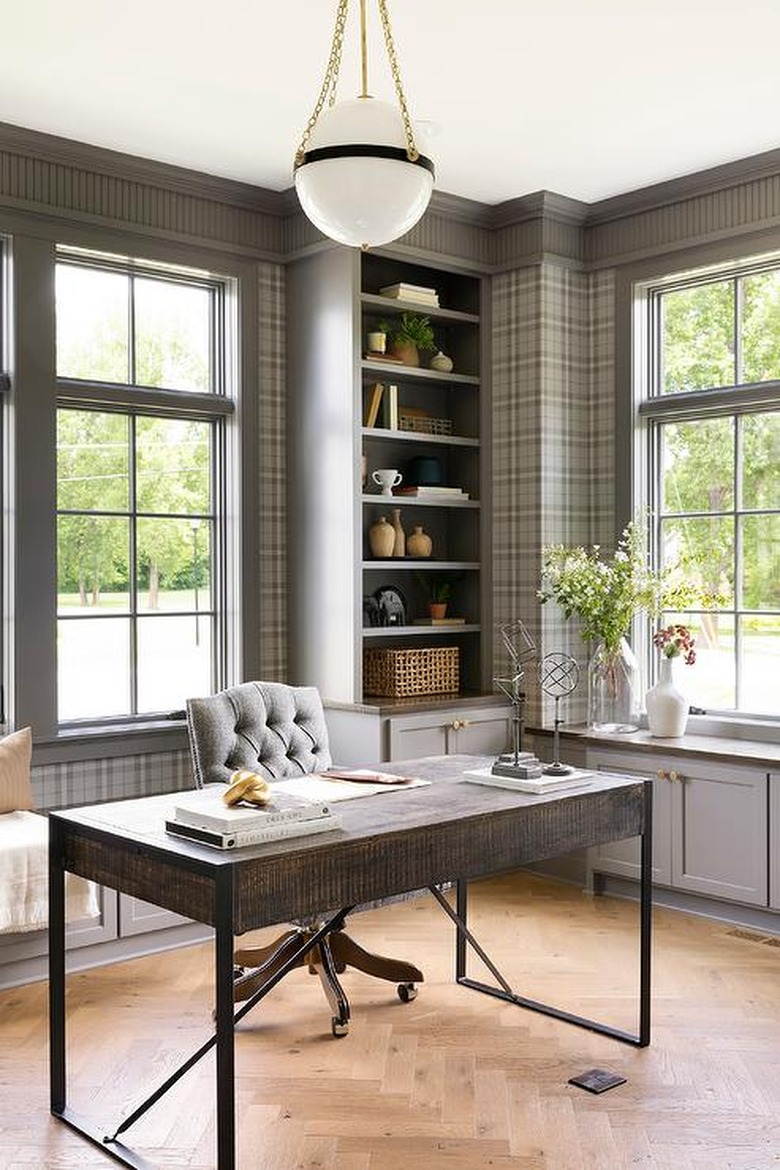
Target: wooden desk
<point>450,831</point>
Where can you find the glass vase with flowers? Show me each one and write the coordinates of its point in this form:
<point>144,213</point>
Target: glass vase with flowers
<point>605,593</point>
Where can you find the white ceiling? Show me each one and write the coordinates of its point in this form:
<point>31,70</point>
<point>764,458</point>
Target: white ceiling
<point>587,98</point>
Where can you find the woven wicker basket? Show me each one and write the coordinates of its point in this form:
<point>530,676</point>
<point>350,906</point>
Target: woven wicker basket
<point>398,673</point>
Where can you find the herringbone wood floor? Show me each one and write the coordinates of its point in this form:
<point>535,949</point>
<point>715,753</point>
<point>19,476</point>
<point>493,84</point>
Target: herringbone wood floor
<point>454,1080</point>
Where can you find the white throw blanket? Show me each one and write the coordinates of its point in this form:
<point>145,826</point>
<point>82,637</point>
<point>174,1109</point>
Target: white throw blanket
<point>24,877</point>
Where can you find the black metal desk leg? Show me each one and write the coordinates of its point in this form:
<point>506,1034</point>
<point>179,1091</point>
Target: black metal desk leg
<point>223,957</point>
<point>646,917</point>
<point>57,1080</point>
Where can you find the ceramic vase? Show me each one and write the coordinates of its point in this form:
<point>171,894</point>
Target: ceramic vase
<point>613,677</point>
<point>667,708</point>
<point>419,544</point>
<point>381,538</point>
<point>441,362</point>
<point>399,536</point>
<point>407,352</point>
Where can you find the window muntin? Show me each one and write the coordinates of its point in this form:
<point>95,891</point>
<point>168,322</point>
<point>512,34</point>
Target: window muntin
<point>714,474</point>
<point>141,486</point>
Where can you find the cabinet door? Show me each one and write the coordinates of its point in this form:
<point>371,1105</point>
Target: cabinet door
<point>720,832</point>
<point>139,917</point>
<point>774,840</point>
<point>622,857</point>
<point>472,731</point>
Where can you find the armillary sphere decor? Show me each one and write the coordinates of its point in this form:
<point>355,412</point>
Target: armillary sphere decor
<point>359,175</point>
<point>558,676</point>
<point>521,649</point>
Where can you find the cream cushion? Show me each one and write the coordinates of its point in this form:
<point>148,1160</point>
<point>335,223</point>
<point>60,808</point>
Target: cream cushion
<point>16,792</point>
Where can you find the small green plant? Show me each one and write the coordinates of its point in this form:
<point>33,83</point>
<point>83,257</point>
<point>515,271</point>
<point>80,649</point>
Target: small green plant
<point>412,329</point>
<point>438,586</point>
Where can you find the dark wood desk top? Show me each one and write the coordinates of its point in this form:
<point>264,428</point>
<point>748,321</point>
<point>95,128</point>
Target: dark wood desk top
<point>389,843</point>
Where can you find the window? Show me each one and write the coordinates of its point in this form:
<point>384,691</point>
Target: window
<point>711,422</point>
<point>142,410</point>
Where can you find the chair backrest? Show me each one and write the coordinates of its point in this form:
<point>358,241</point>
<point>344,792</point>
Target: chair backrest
<point>270,728</point>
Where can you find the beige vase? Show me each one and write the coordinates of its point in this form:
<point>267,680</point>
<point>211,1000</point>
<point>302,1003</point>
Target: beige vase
<point>381,538</point>
<point>399,536</point>
<point>419,544</point>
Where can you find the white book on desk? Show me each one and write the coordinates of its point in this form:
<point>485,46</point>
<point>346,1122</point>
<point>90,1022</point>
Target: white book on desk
<point>282,831</point>
<point>538,786</point>
<point>205,809</point>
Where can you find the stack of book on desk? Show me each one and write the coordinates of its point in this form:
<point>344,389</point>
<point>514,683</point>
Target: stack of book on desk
<point>202,816</point>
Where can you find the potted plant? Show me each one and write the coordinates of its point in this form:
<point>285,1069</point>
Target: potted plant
<point>438,586</point>
<point>409,336</point>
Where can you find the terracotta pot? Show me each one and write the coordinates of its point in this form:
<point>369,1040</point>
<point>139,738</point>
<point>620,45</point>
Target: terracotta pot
<point>437,609</point>
<point>407,352</point>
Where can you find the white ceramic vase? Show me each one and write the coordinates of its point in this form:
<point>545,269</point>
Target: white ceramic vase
<point>667,708</point>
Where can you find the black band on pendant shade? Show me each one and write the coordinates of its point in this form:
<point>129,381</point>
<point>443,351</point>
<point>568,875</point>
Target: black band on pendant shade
<point>358,150</point>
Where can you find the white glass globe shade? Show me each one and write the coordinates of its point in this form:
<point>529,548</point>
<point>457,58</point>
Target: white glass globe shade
<point>362,199</point>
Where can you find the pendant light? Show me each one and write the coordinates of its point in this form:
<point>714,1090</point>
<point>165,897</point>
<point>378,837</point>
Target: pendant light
<point>359,176</point>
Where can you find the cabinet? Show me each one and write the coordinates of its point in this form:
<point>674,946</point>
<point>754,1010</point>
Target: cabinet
<point>710,826</point>
<point>333,302</point>
<point>774,840</point>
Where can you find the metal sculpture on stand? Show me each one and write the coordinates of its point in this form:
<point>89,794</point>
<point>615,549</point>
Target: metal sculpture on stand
<point>521,649</point>
<point>558,676</point>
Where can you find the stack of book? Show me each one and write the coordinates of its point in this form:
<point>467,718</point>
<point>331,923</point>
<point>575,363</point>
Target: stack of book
<point>382,407</point>
<point>426,492</point>
<point>411,292</point>
<point>527,775</point>
<point>202,816</point>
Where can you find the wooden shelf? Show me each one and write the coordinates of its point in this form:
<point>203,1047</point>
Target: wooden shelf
<point>414,502</point>
<point>382,433</point>
<point>387,305</point>
<point>419,631</point>
<point>422,563</point>
<point>396,372</point>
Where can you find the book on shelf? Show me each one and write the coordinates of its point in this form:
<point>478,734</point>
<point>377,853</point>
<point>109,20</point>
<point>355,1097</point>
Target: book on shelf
<point>445,621</point>
<point>390,358</point>
<point>432,493</point>
<point>205,809</point>
<point>536,785</point>
<point>374,401</point>
<point>403,291</point>
<point>389,414</point>
<point>238,838</point>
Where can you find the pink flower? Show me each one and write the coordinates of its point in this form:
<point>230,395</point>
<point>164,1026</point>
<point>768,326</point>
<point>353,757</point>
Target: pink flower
<point>674,641</point>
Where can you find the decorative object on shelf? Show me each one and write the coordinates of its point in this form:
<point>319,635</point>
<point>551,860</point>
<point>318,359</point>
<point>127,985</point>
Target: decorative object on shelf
<point>411,336</point>
<point>521,649</point>
<point>376,341</point>
<point>667,708</point>
<point>399,536</point>
<point>373,403</point>
<point>433,670</point>
<point>419,543</point>
<point>359,175</point>
<point>558,677</point>
<point>606,594</point>
<point>424,471</point>
<point>391,606</point>
<point>419,421</point>
<point>381,538</point>
<point>387,478</point>
<point>441,363</point>
<point>438,587</point>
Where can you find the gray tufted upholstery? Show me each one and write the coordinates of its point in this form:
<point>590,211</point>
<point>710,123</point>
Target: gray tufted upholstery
<point>268,727</point>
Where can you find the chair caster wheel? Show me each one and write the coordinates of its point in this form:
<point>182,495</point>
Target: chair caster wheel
<point>339,1027</point>
<point>407,992</point>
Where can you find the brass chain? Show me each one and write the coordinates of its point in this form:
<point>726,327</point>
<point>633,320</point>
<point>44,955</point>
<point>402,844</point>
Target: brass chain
<point>328,91</point>
<point>411,149</point>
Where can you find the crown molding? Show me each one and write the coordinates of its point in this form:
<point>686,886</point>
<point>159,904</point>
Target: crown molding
<point>68,152</point>
<point>695,185</point>
<point>538,205</point>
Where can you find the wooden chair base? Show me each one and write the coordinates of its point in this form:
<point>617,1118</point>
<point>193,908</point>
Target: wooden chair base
<point>328,959</point>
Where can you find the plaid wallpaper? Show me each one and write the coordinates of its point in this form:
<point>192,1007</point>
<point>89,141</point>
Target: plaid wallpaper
<point>552,443</point>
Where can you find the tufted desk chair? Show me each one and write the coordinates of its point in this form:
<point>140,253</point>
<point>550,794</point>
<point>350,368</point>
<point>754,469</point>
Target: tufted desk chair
<point>279,731</point>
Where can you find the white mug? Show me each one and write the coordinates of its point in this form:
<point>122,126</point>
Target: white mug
<point>387,478</point>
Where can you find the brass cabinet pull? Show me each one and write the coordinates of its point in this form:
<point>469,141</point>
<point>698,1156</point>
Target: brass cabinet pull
<point>662,775</point>
<point>456,725</point>
<point>672,775</point>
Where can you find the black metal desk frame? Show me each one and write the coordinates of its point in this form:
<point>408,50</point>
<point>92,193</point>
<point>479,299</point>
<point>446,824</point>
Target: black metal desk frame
<point>227,1015</point>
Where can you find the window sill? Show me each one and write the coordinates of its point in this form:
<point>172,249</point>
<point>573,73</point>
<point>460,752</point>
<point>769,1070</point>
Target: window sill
<point>111,741</point>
